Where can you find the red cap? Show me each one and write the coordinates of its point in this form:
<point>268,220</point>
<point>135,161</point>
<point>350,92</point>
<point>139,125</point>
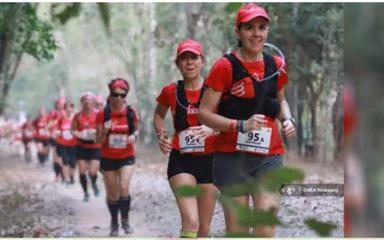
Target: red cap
<point>250,11</point>
<point>189,45</point>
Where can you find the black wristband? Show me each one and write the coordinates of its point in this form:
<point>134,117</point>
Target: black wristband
<point>290,119</point>
<point>238,125</point>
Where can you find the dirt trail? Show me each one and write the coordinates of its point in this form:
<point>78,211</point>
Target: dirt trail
<point>60,211</point>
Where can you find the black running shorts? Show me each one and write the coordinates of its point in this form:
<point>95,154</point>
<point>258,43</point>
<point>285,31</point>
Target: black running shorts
<point>107,164</point>
<point>87,154</point>
<point>198,166</point>
<point>239,167</point>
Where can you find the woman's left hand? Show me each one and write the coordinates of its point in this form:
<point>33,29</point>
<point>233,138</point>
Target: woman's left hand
<point>202,131</point>
<point>289,128</point>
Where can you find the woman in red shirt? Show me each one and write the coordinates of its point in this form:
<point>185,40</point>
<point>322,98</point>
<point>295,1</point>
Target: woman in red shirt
<point>28,132</point>
<point>87,150</point>
<point>42,135</point>
<point>54,117</point>
<point>190,160</point>
<point>99,106</point>
<point>117,129</point>
<point>66,143</point>
<point>244,110</point>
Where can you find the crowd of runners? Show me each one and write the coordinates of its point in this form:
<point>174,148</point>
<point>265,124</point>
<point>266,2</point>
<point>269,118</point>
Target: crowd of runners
<point>226,131</point>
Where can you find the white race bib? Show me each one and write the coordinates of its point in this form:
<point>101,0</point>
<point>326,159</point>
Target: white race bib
<point>44,132</point>
<point>28,133</point>
<point>116,140</point>
<point>67,135</point>
<point>88,134</point>
<point>257,141</point>
<point>189,143</point>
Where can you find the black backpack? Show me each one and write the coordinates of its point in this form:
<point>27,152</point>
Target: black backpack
<point>180,121</point>
<point>265,101</point>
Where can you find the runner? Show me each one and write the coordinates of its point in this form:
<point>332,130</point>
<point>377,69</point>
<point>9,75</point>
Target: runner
<point>42,135</point>
<point>245,111</point>
<point>66,143</point>
<point>87,150</point>
<point>55,116</point>
<point>99,106</point>
<point>118,130</point>
<point>355,197</point>
<point>28,133</point>
<point>190,160</point>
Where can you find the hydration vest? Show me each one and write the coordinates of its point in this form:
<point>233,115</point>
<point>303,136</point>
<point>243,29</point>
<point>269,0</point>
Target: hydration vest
<point>265,100</point>
<point>180,121</point>
<point>130,113</point>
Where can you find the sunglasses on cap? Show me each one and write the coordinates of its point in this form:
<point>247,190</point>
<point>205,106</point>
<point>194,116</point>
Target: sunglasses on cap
<point>116,95</point>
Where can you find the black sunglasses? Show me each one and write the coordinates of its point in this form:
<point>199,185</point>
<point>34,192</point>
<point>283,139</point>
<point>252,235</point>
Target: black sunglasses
<point>121,95</point>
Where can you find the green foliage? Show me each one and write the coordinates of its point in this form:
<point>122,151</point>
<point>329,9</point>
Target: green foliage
<point>273,180</point>
<point>232,7</point>
<point>189,191</point>
<point>322,228</point>
<point>65,11</point>
<point>26,32</point>
<point>41,43</point>
<point>250,217</point>
<point>104,14</point>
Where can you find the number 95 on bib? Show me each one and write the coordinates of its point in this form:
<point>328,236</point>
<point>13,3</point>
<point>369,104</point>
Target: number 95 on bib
<point>189,143</point>
<point>257,141</point>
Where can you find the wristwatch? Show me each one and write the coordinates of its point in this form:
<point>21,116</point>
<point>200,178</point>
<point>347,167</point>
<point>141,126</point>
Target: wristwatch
<point>293,121</point>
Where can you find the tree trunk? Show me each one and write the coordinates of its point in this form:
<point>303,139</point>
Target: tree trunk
<point>193,17</point>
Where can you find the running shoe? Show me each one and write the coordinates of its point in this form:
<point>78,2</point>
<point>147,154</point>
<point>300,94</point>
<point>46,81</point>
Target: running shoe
<point>96,190</point>
<point>114,230</point>
<point>126,227</point>
<point>86,197</point>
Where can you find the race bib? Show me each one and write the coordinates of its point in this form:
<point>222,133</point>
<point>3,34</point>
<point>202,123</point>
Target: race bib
<point>118,140</point>
<point>67,135</point>
<point>43,132</point>
<point>189,143</point>
<point>257,141</point>
<point>88,134</point>
<point>28,133</point>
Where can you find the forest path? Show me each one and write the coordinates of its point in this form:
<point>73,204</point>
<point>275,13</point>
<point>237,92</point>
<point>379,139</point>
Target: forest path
<point>47,208</point>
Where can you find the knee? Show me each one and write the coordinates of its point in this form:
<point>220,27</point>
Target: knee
<point>93,172</point>
<point>124,190</point>
<point>112,194</point>
<point>191,223</point>
<point>113,197</point>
